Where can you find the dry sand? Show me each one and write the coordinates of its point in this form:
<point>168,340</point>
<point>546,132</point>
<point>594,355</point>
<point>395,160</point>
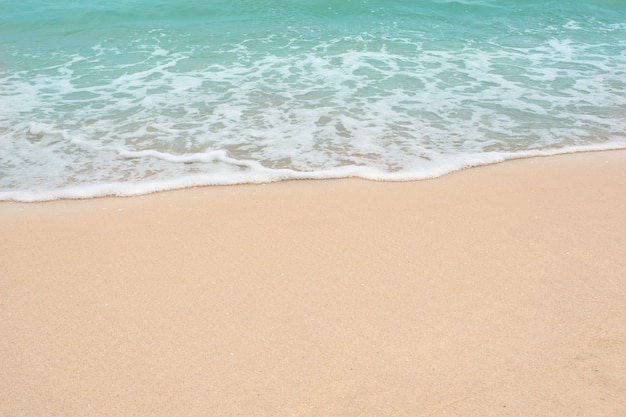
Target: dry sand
<point>496,291</point>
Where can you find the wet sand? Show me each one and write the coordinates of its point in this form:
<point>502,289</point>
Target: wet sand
<point>495,291</point>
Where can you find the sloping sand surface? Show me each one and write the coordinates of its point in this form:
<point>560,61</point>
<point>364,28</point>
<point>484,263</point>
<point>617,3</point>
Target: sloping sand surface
<point>496,291</point>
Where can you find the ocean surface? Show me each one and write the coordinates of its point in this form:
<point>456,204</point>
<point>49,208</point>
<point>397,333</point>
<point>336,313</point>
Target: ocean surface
<point>124,97</point>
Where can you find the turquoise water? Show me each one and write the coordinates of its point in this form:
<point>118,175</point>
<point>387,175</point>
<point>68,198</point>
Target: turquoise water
<point>129,97</point>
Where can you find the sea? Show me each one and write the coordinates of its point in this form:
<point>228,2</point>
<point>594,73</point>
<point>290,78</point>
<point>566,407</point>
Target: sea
<point>127,97</point>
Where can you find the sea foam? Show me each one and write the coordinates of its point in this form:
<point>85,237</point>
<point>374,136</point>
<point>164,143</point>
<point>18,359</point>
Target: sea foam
<point>192,94</point>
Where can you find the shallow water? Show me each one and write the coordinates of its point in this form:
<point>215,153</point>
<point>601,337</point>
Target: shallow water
<point>129,97</point>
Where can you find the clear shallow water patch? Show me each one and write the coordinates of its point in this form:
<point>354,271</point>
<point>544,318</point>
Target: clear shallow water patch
<point>110,99</point>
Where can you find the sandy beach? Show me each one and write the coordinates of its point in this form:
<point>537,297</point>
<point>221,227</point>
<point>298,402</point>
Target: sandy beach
<point>494,291</point>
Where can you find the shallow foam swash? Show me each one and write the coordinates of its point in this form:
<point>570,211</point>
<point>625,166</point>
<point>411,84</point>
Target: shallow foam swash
<point>166,110</point>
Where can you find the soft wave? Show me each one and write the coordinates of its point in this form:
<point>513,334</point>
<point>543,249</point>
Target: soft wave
<point>379,90</point>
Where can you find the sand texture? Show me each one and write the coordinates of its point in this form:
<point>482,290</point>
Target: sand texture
<point>495,291</point>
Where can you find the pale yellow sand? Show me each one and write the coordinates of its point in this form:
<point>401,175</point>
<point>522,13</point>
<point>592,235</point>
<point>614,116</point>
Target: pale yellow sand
<point>496,291</point>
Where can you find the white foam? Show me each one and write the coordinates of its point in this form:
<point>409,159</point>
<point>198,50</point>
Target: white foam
<point>255,173</point>
<point>393,109</point>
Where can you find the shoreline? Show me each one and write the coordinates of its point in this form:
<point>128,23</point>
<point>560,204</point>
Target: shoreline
<point>495,290</point>
<point>271,176</point>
